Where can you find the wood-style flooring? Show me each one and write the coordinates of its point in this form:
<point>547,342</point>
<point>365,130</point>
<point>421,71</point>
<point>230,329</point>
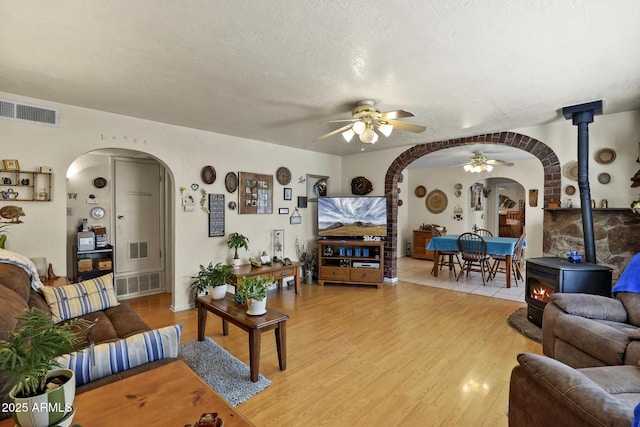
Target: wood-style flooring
<point>403,355</point>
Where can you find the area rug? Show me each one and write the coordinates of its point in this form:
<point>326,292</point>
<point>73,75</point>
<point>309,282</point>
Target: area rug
<point>518,320</point>
<point>223,372</point>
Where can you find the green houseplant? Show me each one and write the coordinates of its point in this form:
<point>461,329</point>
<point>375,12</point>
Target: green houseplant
<point>214,277</point>
<point>237,241</point>
<point>254,291</point>
<point>28,357</point>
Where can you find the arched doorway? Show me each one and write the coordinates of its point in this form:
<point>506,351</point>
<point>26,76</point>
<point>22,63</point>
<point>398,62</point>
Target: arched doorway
<point>547,157</point>
<point>139,232</point>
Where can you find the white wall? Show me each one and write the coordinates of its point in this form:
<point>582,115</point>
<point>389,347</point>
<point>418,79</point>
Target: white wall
<point>184,152</point>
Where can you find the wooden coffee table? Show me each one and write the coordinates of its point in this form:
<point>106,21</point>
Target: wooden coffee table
<point>169,395</point>
<point>230,312</point>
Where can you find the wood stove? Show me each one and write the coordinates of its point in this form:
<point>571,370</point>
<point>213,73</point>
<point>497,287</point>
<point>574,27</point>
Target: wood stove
<point>547,275</point>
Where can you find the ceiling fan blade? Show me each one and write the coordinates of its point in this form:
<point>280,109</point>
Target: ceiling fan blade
<point>391,115</point>
<point>343,120</point>
<point>340,130</point>
<point>407,126</point>
<point>499,162</point>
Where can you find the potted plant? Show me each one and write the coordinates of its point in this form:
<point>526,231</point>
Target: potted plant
<point>309,259</point>
<point>28,359</point>
<point>214,277</point>
<point>254,291</point>
<point>3,234</point>
<point>237,241</point>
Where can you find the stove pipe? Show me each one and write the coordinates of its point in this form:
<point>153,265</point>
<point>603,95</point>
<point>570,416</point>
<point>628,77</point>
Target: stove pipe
<point>582,115</point>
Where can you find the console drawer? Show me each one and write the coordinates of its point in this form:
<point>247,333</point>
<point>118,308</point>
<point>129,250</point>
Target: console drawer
<point>372,275</point>
<point>334,273</point>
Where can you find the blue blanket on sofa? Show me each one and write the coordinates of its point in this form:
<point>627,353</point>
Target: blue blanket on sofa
<point>629,280</point>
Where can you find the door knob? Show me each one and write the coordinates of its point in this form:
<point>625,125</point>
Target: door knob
<point>120,216</point>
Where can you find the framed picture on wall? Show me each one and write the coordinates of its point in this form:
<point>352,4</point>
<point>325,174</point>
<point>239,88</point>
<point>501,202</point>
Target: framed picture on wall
<point>302,202</point>
<point>288,193</point>
<point>255,193</point>
<point>10,165</point>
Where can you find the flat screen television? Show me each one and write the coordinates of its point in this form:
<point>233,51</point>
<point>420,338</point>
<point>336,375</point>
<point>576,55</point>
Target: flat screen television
<point>352,217</point>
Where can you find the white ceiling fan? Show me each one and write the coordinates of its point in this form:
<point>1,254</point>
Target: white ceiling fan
<point>480,163</point>
<point>367,119</point>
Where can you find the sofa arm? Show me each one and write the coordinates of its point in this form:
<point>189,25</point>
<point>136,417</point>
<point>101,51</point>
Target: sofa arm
<point>591,306</point>
<point>544,391</point>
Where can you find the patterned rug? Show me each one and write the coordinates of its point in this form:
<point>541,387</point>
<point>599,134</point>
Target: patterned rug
<point>223,372</point>
<point>518,320</point>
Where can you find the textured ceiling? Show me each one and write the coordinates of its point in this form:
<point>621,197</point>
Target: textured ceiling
<point>279,71</point>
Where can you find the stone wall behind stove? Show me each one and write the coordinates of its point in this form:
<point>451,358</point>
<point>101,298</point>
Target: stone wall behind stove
<point>616,235</point>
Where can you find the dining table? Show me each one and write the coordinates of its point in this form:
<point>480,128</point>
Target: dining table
<point>495,246</point>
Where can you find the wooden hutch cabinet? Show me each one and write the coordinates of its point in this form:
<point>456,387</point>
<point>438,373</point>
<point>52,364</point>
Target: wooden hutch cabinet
<point>421,239</point>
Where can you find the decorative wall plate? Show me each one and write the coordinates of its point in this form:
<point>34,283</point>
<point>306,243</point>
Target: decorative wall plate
<point>97,213</point>
<point>458,193</point>
<point>605,156</point>
<point>100,182</point>
<point>208,175</point>
<point>420,191</point>
<point>231,182</point>
<point>604,178</point>
<point>571,170</point>
<point>570,190</point>
<point>436,201</point>
<point>283,175</point>
<point>458,186</point>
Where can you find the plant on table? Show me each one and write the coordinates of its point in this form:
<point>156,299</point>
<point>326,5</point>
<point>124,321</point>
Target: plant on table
<point>237,241</point>
<point>253,292</point>
<point>30,353</point>
<point>212,276</point>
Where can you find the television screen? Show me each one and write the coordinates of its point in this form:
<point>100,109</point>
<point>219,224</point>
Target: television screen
<point>352,216</point>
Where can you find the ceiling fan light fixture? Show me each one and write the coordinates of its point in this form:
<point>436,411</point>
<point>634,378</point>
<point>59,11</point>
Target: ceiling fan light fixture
<point>348,135</point>
<point>368,136</point>
<point>478,167</point>
<point>359,127</point>
<point>385,129</point>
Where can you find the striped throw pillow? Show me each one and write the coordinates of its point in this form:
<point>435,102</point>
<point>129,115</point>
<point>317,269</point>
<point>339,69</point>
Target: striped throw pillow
<point>113,357</point>
<point>69,301</point>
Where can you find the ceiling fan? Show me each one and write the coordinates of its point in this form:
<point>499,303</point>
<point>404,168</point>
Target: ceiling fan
<point>367,119</point>
<point>480,163</point>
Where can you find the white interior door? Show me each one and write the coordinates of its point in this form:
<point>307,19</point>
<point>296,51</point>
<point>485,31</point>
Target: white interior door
<point>139,224</point>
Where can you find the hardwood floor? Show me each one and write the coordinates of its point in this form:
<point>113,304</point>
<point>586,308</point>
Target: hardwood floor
<point>404,354</point>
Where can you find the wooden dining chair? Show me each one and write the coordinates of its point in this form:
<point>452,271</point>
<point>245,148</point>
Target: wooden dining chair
<point>473,250</point>
<point>483,232</point>
<point>516,260</point>
<point>446,258</point>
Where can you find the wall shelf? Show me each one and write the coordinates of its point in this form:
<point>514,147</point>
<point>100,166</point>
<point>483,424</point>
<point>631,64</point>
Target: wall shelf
<point>38,188</point>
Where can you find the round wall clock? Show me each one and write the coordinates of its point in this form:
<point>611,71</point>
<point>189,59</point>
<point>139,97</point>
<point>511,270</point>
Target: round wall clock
<point>283,175</point>
<point>100,182</point>
<point>231,182</point>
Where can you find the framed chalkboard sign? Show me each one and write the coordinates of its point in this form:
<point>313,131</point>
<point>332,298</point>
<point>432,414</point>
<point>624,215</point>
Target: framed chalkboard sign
<point>216,215</point>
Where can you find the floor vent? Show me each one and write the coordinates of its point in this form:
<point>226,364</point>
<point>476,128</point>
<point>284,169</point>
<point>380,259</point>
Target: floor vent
<point>29,113</point>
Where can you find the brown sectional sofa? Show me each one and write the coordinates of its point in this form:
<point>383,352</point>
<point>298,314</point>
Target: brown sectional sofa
<point>113,323</point>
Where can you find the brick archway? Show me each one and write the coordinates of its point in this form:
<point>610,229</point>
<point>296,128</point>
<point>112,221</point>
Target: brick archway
<point>548,158</point>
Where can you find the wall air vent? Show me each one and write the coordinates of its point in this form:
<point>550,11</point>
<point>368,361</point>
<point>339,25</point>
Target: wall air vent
<point>29,113</point>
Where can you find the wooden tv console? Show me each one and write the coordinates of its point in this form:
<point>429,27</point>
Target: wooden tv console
<point>351,262</point>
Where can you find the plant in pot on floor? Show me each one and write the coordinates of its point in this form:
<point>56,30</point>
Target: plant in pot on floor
<point>254,292</point>
<point>214,278</point>
<point>309,259</point>
<point>237,241</point>
<point>42,395</point>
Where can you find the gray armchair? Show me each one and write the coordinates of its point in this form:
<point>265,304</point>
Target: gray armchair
<point>583,330</point>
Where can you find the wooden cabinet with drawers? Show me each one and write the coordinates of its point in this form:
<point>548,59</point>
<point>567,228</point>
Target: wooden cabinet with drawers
<point>350,262</point>
<point>421,239</point>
